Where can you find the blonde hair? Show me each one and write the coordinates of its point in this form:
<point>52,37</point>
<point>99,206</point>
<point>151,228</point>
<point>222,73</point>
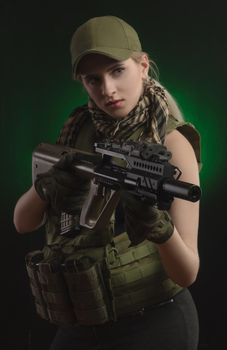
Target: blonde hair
<point>174,109</point>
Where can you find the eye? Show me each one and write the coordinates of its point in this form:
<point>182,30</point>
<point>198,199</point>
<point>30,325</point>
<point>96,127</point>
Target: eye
<point>118,71</point>
<point>93,80</point>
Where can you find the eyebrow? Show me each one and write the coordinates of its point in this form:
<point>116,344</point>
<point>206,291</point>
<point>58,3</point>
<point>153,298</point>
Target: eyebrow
<point>114,65</point>
<point>111,67</point>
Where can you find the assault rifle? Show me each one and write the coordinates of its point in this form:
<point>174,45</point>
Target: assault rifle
<point>142,169</point>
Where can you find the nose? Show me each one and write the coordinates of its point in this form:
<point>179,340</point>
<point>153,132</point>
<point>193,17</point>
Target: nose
<point>108,87</point>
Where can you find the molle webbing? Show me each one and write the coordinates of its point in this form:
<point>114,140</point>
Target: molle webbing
<point>137,277</point>
<point>89,291</point>
<point>49,290</point>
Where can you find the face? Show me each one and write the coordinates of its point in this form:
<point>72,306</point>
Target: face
<point>114,86</point>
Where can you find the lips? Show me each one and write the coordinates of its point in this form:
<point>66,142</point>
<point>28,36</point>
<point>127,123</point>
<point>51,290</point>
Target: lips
<point>113,102</point>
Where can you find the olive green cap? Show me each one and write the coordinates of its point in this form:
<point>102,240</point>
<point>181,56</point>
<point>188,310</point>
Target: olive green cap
<point>106,35</point>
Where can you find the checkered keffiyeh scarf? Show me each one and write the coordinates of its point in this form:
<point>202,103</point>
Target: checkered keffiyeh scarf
<point>151,112</point>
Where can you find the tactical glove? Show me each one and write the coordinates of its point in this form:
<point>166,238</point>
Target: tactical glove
<point>61,188</point>
<point>143,221</point>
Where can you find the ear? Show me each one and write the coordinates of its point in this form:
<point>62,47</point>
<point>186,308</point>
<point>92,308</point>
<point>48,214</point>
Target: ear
<point>145,65</point>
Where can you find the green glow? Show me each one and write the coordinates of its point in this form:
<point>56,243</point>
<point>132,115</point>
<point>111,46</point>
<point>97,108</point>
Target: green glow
<point>73,96</point>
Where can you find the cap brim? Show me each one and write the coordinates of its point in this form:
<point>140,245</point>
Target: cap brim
<point>115,53</point>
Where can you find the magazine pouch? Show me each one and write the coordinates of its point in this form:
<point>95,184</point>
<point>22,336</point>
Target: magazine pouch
<point>49,289</point>
<point>89,288</point>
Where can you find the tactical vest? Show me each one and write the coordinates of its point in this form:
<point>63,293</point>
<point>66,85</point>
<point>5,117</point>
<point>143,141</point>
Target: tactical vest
<point>94,277</point>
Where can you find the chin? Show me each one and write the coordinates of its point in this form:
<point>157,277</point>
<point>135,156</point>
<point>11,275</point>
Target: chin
<point>120,114</point>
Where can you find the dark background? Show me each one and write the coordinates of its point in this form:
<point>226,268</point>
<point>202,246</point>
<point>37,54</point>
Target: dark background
<point>187,40</point>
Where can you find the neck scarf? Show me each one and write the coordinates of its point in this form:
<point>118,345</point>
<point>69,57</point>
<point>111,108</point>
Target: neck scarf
<point>151,112</point>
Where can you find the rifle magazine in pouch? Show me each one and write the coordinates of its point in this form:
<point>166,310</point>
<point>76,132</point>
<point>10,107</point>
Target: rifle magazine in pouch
<point>51,290</point>
<point>89,291</point>
<point>55,293</point>
<point>32,259</point>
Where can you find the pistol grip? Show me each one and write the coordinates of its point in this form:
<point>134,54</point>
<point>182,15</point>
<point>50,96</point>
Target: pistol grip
<point>99,206</point>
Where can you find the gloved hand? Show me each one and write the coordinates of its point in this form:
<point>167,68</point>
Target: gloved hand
<point>61,188</point>
<point>143,221</point>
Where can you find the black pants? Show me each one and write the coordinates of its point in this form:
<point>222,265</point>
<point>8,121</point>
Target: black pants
<point>172,326</point>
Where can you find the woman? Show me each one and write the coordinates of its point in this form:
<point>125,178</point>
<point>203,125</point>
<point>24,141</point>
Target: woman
<point>125,102</point>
